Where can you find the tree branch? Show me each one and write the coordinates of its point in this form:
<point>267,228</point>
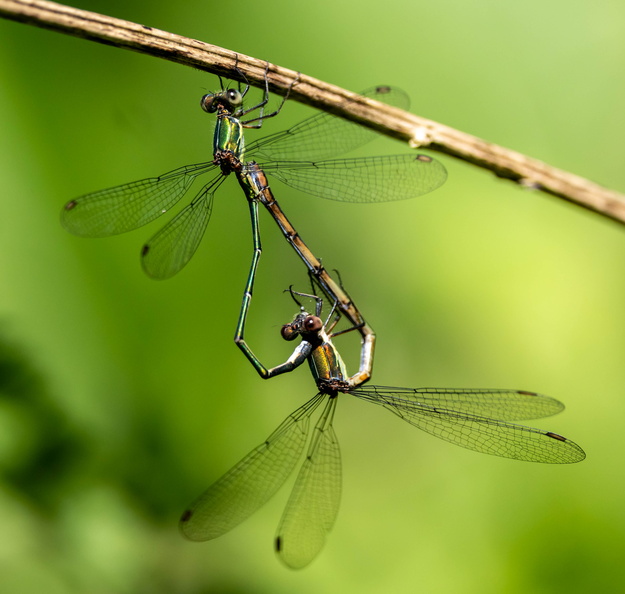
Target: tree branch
<point>388,120</point>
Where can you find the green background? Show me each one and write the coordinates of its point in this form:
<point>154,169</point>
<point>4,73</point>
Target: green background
<point>122,398</point>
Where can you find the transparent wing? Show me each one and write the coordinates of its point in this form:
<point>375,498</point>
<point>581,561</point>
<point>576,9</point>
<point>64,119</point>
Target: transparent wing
<point>476,419</point>
<point>369,179</point>
<point>252,482</point>
<point>127,207</point>
<point>323,135</point>
<point>171,248</point>
<point>314,502</point>
<point>504,405</point>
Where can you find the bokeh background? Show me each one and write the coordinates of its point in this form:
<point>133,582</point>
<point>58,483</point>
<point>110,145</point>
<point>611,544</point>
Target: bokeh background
<point>122,398</point>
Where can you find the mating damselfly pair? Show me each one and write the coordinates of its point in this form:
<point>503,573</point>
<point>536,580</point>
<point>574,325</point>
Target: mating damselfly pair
<point>477,419</point>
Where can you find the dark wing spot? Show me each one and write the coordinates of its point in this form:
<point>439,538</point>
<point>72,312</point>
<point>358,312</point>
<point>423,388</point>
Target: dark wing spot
<point>555,436</point>
<point>525,393</point>
<point>278,544</point>
<point>71,204</point>
<point>383,90</point>
<point>145,249</point>
<point>186,515</point>
<point>424,158</point>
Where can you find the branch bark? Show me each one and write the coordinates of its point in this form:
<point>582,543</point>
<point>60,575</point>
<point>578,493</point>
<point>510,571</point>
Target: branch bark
<point>417,131</point>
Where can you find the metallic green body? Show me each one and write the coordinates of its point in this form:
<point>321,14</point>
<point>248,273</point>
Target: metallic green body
<point>229,137</point>
<point>326,363</point>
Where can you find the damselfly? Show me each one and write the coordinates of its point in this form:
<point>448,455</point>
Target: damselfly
<point>472,418</point>
<point>372,179</point>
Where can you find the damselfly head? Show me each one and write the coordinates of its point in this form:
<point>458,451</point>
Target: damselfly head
<point>303,324</point>
<point>227,100</point>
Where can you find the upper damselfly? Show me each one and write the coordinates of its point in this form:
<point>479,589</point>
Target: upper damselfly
<point>477,419</point>
<point>296,156</point>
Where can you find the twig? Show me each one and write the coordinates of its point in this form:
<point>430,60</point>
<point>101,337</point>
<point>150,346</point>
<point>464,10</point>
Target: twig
<point>388,120</point>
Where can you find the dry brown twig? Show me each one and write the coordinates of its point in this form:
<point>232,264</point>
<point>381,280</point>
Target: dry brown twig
<point>415,130</point>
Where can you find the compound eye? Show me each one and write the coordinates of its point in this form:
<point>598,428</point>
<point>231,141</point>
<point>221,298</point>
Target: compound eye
<point>208,103</point>
<point>313,324</point>
<point>288,332</point>
<point>234,97</point>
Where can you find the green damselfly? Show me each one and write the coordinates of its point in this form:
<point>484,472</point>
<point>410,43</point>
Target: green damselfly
<point>472,418</point>
<point>372,179</point>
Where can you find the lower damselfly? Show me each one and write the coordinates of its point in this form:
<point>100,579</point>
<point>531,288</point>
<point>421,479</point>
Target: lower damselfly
<point>297,156</point>
<point>476,419</point>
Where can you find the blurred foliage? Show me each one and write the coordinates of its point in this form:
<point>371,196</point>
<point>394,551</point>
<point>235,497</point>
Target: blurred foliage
<point>122,398</point>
